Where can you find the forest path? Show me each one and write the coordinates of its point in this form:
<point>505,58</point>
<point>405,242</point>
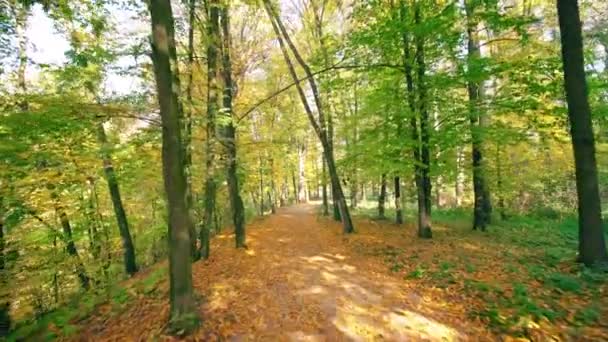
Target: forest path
<point>299,280</point>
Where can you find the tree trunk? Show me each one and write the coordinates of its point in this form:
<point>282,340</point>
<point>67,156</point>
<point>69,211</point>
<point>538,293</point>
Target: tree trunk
<point>324,188</point>
<point>398,209</point>
<point>459,184</point>
<point>70,246</point>
<point>213,39</point>
<point>261,173</point>
<point>302,173</point>
<point>228,133</point>
<point>187,124</point>
<point>482,207</point>
<point>420,152</point>
<point>382,197</point>
<point>272,194</point>
<point>318,124</point>
<point>119,211</point>
<point>424,226</point>
<point>592,246</point>
<point>21,14</point>
<point>5,304</point>
<point>499,185</point>
<point>183,311</point>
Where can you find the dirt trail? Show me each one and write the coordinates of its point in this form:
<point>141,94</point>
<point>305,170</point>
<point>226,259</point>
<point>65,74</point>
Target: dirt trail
<point>299,280</point>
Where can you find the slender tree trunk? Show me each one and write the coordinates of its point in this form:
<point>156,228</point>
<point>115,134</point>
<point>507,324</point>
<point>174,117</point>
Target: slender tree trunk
<point>228,133</point>
<point>213,39</point>
<point>183,311</point>
<point>482,207</point>
<point>459,185</point>
<point>398,209</point>
<point>592,245</point>
<point>272,194</point>
<point>119,211</point>
<point>92,220</point>
<point>499,184</point>
<point>382,197</point>
<point>295,187</point>
<point>318,124</point>
<point>70,246</point>
<point>324,187</point>
<point>5,304</point>
<point>188,113</point>
<point>21,14</point>
<point>261,172</point>
<point>302,173</point>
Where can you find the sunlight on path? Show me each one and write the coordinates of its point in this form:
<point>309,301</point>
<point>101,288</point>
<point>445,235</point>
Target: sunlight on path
<point>299,280</point>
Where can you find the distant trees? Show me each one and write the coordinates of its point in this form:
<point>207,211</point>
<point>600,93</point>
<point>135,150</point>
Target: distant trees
<point>318,123</point>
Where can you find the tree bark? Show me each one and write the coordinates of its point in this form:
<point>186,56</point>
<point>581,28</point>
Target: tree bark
<point>70,246</point>
<point>21,13</point>
<point>592,245</point>
<point>261,173</point>
<point>213,42</point>
<point>424,226</point>
<point>382,197</point>
<point>228,133</point>
<point>459,184</point>
<point>398,209</point>
<point>324,187</point>
<point>482,207</point>
<point>318,124</point>
<point>419,137</point>
<point>183,313</point>
<point>119,211</point>
<point>5,304</point>
<point>302,173</point>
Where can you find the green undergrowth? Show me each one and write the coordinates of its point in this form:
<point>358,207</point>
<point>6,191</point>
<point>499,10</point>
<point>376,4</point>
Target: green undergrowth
<point>65,320</point>
<point>519,276</point>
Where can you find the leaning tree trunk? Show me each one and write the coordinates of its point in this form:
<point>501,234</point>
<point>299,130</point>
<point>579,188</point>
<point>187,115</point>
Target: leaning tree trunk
<point>228,133</point>
<point>482,207</point>
<point>119,210</point>
<point>318,124</point>
<point>70,246</point>
<point>183,311</point>
<point>592,246</point>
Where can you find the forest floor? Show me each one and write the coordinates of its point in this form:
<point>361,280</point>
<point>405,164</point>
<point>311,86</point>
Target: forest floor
<point>301,279</point>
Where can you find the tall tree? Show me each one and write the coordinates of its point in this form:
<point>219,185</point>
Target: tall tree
<point>418,116</point>
<point>482,205</point>
<point>183,312</point>
<point>213,41</point>
<point>592,245</point>
<point>228,131</point>
<point>119,210</point>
